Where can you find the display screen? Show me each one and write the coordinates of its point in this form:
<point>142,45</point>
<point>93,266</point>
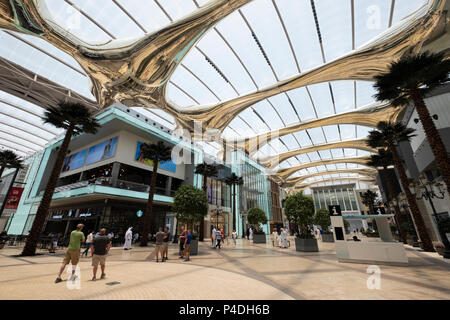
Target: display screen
<point>102,151</point>
<point>74,161</point>
<point>165,165</point>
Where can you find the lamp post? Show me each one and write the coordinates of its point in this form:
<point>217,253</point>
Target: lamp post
<point>422,192</point>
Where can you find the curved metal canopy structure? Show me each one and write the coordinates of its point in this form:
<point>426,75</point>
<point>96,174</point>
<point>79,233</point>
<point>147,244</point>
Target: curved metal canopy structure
<point>237,67</point>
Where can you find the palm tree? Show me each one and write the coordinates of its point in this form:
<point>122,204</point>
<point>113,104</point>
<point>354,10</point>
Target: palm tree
<point>368,198</point>
<point>388,136</point>
<point>206,170</point>
<point>383,160</point>
<point>234,181</point>
<point>156,152</point>
<point>75,118</point>
<point>411,78</point>
<point>8,159</point>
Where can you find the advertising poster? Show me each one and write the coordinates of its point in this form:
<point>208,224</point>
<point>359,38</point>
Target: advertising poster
<point>102,151</point>
<point>165,165</point>
<point>14,198</point>
<point>74,161</point>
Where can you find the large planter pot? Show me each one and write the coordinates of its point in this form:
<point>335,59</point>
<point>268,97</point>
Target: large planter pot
<point>306,245</point>
<point>259,238</point>
<point>194,247</point>
<point>327,237</point>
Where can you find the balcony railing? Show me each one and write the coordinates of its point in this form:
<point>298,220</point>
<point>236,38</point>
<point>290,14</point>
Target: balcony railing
<point>107,181</point>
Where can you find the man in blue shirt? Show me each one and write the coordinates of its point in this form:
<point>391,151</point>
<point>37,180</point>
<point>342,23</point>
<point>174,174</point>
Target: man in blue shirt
<point>187,246</point>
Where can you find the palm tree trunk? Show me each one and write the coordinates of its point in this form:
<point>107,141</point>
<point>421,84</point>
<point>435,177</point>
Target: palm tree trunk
<point>433,137</point>
<point>42,211</point>
<point>149,207</point>
<point>201,234</point>
<point>398,214</point>
<point>418,219</point>
<point>234,207</point>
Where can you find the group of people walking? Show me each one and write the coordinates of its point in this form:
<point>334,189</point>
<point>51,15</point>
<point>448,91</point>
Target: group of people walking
<point>280,239</point>
<point>99,245</point>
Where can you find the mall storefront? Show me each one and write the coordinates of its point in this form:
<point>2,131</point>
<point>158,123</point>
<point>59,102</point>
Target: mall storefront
<point>117,216</point>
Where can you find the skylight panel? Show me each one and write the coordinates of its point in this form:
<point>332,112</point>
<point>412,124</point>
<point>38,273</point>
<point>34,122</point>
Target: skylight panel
<point>364,93</point>
<point>299,21</point>
<point>178,9</point>
<point>193,86</point>
<point>107,14</point>
<point>314,156</point>
<point>240,38</point>
<point>241,127</point>
<point>405,8</point>
<point>350,152</point>
<point>303,158</point>
<point>71,20</point>
<point>15,147</point>
<point>316,135</point>
<point>371,19</point>
<point>27,57</point>
<point>265,23</point>
<point>312,170</point>
<point>331,167</point>
<point>344,95</point>
<point>303,138</point>
<point>254,120</point>
<point>337,153</point>
<point>321,96</point>
<point>362,131</point>
<point>290,141</point>
<point>325,154</point>
<point>331,133</point>
<point>46,46</point>
<point>152,18</point>
<point>20,115</point>
<point>335,27</point>
<point>222,56</point>
<point>321,168</point>
<point>284,109</point>
<point>347,131</point>
<point>178,97</point>
<point>197,63</point>
<point>265,110</point>
<point>302,103</point>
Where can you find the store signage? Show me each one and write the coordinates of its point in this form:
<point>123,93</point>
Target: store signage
<point>335,210</point>
<point>85,214</point>
<point>14,198</point>
<point>57,217</point>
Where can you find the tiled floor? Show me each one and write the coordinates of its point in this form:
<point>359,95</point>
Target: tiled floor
<point>247,271</point>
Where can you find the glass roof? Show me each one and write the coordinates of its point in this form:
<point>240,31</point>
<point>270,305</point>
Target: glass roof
<point>262,43</point>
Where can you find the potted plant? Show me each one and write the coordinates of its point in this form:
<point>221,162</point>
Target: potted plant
<point>190,206</point>
<point>299,210</point>
<point>322,218</point>
<point>256,217</point>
